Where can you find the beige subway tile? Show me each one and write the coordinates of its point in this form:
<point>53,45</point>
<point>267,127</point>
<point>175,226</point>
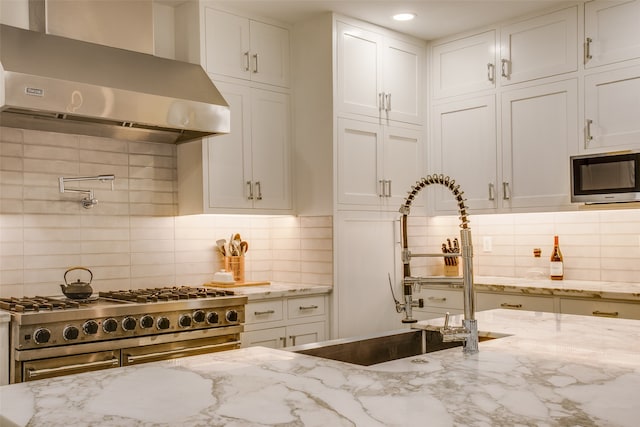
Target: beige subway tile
<point>103,158</point>
<point>11,164</point>
<point>11,134</point>
<point>50,138</point>
<point>11,149</point>
<point>149,148</point>
<point>102,144</point>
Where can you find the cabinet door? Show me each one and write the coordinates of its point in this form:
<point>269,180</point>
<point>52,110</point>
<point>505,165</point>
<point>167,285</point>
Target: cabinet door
<point>465,149</point>
<point>358,70</point>
<point>600,308</point>
<point>306,333</point>
<point>402,81</point>
<point>543,46</point>
<point>227,44</point>
<point>403,164</point>
<point>368,249</point>
<point>272,338</point>
<point>229,155</point>
<point>539,132</point>
<point>489,301</point>
<point>270,149</point>
<point>269,54</point>
<point>359,163</point>
<point>465,65</point>
<point>612,103</point>
<point>612,32</point>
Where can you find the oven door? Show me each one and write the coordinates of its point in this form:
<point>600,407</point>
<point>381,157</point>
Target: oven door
<point>58,366</point>
<point>173,350</point>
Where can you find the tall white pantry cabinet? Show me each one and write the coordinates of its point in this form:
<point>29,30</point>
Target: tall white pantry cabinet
<point>359,147</point>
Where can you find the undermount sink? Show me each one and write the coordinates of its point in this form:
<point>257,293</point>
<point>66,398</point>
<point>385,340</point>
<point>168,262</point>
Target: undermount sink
<point>379,348</point>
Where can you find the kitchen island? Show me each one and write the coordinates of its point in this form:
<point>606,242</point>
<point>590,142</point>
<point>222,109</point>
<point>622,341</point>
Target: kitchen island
<point>548,369</point>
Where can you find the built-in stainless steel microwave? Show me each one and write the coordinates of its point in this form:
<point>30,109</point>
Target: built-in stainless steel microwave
<point>606,178</point>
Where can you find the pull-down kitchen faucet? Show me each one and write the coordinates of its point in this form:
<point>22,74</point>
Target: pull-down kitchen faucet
<point>469,330</point>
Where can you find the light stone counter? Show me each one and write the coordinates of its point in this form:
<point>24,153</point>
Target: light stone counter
<point>629,292</point>
<point>552,370</point>
<point>278,290</point>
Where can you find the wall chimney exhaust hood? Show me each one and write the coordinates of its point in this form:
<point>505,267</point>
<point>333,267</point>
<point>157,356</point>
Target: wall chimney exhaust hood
<point>58,84</point>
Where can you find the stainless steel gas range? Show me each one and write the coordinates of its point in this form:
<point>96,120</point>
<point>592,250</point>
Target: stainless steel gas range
<point>54,336</point>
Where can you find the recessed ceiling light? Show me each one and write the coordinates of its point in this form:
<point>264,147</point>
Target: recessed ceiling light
<point>406,16</point>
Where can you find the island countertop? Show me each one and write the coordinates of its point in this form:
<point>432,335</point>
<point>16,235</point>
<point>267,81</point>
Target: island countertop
<point>550,369</point>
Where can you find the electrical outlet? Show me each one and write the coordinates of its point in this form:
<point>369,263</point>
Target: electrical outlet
<point>487,244</point>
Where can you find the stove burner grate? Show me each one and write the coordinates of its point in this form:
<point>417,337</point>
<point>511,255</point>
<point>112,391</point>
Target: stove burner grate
<point>36,303</point>
<point>164,294</point>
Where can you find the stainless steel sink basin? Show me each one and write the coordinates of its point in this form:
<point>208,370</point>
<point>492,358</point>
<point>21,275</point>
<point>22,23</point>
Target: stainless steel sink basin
<point>379,348</point>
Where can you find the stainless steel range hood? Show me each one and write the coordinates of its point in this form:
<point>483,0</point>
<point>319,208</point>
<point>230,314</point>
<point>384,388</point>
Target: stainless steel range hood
<point>58,84</point>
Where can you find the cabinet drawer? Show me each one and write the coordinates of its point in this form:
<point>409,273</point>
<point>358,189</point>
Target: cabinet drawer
<point>488,301</point>
<point>305,307</point>
<point>442,298</point>
<point>272,338</point>
<point>600,308</point>
<point>264,311</point>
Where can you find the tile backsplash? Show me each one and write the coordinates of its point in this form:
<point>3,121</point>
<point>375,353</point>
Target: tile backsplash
<point>601,245</point>
<point>132,238</point>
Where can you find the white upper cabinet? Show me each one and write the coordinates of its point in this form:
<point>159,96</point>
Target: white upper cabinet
<point>465,65</point>
<point>612,32</point>
<point>246,49</point>
<point>612,110</point>
<point>539,133</point>
<point>543,46</point>
<point>248,169</point>
<point>378,76</point>
<point>376,164</point>
<point>465,149</point>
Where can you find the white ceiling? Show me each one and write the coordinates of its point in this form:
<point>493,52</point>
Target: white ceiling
<point>435,18</point>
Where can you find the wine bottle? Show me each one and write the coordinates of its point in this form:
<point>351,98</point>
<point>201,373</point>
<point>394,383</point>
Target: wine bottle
<point>556,266</point>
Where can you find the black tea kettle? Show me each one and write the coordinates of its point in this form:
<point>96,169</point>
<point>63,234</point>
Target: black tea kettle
<point>78,289</point>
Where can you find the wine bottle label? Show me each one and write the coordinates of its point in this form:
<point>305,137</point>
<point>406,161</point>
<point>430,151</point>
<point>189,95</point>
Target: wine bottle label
<point>556,268</point>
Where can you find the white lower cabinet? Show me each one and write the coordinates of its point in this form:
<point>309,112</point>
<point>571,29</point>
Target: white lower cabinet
<point>600,308</point>
<point>488,301</point>
<point>284,322</point>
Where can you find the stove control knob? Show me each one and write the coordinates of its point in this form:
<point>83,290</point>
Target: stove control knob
<point>163,323</point>
<point>212,318</point>
<point>185,320</point>
<point>110,325</point>
<point>42,335</point>
<point>90,327</point>
<point>146,321</point>
<point>198,316</point>
<point>70,333</point>
<point>129,323</point>
<point>232,316</point>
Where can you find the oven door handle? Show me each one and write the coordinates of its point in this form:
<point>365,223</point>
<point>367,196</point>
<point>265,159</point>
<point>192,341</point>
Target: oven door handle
<point>132,359</point>
<point>33,373</point>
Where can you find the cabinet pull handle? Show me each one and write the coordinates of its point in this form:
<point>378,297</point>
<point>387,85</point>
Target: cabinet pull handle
<point>507,305</point>
<point>491,72</point>
<point>307,307</point>
<point>250,188</point>
<point>259,190</point>
<point>492,191</point>
<point>438,299</point>
<point>381,192</point>
<point>284,341</point>
<point>506,65</point>
<point>255,63</point>
<point>247,64</point>
<point>587,133</point>
<point>387,106</point>
<point>260,313</point>
<point>587,50</point>
<point>605,313</point>
<point>380,101</point>
<point>506,191</point>
<point>293,339</point>
<point>386,188</point>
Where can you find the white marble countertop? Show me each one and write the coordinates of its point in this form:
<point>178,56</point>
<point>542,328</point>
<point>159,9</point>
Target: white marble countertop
<point>278,290</point>
<point>552,370</point>
<point>544,286</point>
